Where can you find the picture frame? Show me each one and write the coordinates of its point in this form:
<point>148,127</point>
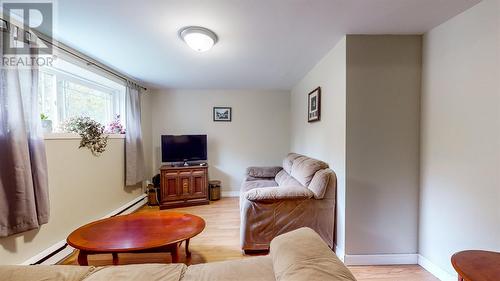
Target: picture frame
<point>222,114</point>
<point>314,105</point>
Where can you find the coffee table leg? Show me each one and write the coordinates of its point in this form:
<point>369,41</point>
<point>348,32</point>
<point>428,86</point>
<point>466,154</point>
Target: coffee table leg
<point>188,253</point>
<point>115,258</point>
<point>82,258</point>
<point>175,253</point>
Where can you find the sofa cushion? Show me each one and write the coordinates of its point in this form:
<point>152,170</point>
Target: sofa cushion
<point>319,183</point>
<point>288,161</point>
<point>304,168</point>
<point>263,172</point>
<point>272,194</point>
<point>45,272</point>
<point>249,269</point>
<point>248,185</point>
<point>284,179</point>
<point>302,255</point>
<point>150,272</point>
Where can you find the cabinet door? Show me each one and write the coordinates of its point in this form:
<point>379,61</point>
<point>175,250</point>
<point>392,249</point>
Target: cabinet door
<point>169,186</point>
<point>198,184</point>
<point>184,184</point>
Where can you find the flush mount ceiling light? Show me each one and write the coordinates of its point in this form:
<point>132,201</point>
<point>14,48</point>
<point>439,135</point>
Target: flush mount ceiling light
<point>198,38</point>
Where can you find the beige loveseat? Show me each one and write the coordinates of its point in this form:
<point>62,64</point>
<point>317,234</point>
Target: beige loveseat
<point>300,255</point>
<point>276,200</point>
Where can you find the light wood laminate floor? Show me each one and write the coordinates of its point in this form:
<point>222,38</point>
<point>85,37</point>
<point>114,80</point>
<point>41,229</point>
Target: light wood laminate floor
<point>220,241</point>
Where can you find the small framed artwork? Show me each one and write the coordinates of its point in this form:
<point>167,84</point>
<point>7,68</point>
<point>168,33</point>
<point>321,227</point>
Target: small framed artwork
<point>314,105</point>
<point>222,114</point>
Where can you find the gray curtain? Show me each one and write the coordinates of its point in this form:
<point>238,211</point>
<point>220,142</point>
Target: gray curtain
<point>24,199</point>
<point>134,155</point>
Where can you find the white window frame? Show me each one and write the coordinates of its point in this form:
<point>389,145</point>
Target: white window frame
<point>118,97</point>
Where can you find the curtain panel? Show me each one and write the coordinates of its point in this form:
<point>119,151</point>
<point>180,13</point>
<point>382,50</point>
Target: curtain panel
<point>134,154</point>
<point>24,197</point>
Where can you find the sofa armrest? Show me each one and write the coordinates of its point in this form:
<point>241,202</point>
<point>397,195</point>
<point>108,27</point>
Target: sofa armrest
<point>272,194</point>
<point>263,172</point>
<point>250,178</point>
<point>309,259</point>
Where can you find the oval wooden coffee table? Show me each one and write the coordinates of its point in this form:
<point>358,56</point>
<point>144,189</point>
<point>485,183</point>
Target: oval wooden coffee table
<point>146,232</point>
<point>477,265</point>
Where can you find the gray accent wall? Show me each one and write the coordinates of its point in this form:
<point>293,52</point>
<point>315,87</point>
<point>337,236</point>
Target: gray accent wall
<point>382,144</point>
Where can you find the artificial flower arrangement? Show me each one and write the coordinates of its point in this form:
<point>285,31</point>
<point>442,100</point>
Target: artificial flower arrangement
<point>115,126</point>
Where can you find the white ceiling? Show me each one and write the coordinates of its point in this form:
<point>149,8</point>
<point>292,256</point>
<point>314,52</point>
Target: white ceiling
<point>263,44</point>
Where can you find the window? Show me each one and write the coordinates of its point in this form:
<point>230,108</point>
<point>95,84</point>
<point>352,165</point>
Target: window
<point>67,91</point>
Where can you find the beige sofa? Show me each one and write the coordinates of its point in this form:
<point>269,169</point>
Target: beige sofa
<point>276,200</point>
<point>295,256</point>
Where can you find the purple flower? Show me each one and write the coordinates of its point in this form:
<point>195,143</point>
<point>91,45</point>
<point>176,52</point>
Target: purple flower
<point>115,126</point>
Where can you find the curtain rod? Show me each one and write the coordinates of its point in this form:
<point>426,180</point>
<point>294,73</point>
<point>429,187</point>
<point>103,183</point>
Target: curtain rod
<point>76,54</point>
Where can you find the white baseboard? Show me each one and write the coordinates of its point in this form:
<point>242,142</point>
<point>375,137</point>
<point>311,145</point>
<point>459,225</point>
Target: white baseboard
<point>388,259</point>
<point>68,249</point>
<point>230,194</point>
<point>435,270</point>
<point>135,201</point>
<point>340,253</point>
<point>55,258</point>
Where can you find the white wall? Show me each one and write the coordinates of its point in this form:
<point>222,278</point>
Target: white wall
<point>382,144</point>
<point>460,142</point>
<point>257,135</point>
<point>82,188</point>
<point>324,140</point>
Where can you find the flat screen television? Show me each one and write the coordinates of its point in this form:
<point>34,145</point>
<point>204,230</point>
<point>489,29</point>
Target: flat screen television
<point>183,148</point>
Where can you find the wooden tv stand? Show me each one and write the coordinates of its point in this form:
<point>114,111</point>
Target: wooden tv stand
<point>183,186</point>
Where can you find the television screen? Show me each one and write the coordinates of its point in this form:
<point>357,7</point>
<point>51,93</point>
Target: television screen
<point>183,148</point>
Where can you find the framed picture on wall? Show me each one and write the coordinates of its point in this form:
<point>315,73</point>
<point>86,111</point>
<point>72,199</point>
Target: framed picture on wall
<point>222,114</point>
<point>314,105</point>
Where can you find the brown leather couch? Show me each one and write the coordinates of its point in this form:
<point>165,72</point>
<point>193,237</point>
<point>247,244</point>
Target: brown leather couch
<point>276,200</point>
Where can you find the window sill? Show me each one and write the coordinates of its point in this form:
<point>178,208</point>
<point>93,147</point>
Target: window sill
<point>70,136</point>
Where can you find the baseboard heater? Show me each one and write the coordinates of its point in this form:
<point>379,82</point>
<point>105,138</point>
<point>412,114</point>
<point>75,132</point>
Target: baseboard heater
<point>48,256</point>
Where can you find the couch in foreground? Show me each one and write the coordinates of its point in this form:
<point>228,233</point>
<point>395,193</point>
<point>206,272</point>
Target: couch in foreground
<point>276,200</point>
<point>299,255</point>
